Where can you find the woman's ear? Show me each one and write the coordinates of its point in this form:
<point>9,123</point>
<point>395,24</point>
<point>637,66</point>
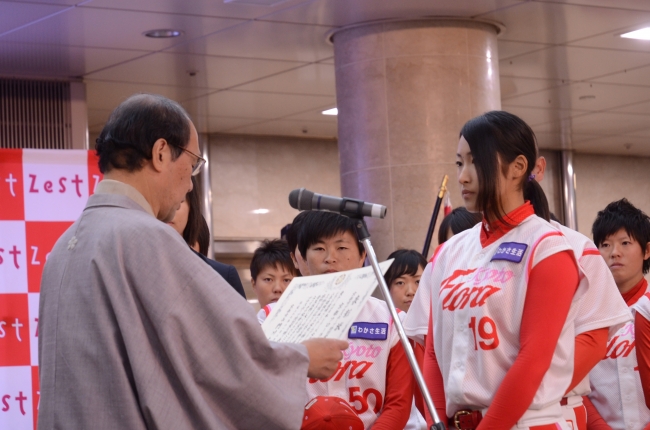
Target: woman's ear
<point>518,167</point>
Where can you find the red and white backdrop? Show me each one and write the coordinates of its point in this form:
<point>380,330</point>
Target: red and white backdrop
<point>41,193</point>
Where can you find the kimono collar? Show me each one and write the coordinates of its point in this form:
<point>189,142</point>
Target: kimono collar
<point>490,233</point>
<point>111,186</point>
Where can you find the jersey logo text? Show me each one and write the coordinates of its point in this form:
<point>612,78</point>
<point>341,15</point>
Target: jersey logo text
<point>356,371</point>
<point>367,330</point>
<point>457,296</point>
<point>510,251</point>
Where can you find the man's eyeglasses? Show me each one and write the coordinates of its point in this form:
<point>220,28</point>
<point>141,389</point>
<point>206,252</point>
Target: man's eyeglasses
<point>200,161</point>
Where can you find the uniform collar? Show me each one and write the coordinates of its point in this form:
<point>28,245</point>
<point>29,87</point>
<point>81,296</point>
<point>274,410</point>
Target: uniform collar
<point>490,233</point>
<point>632,296</point>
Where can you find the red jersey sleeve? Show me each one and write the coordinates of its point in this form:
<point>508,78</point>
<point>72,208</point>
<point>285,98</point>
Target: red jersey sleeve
<point>594,420</point>
<point>642,340</point>
<point>590,348</point>
<point>551,286</point>
<point>433,379</point>
<point>399,391</point>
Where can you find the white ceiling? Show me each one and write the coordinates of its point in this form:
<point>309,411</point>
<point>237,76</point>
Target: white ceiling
<point>268,69</point>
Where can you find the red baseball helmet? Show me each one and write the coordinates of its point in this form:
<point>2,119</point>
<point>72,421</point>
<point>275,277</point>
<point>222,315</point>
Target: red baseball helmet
<point>330,413</point>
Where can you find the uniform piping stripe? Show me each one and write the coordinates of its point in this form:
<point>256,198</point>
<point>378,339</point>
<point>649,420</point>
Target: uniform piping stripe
<point>529,263</point>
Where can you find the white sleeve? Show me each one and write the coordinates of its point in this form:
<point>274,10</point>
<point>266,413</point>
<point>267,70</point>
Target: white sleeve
<point>416,322</point>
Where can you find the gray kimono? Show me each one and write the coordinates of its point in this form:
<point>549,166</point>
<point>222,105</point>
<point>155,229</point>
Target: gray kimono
<point>136,332</point>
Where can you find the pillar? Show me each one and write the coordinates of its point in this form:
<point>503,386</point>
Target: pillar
<point>404,89</point>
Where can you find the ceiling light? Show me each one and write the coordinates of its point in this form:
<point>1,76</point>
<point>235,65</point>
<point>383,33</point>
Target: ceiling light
<point>261,211</point>
<point>163,33</point>
<point>642,34</point>
<point>589,97</point>
<point>333,111</point>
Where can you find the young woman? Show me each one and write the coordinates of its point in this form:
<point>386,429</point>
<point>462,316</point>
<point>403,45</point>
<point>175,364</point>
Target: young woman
<point>500,347</point>
<point>620,383</point>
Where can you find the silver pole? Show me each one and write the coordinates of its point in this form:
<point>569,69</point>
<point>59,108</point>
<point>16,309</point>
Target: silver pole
<point>206,188</point>
<point>569,191</point>
<point>370,252</point>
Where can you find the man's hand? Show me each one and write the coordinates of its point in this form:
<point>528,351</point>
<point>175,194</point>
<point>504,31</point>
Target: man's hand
<point>324,355</point>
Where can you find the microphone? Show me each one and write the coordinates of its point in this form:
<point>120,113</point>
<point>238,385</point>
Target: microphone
<point>305,200</point>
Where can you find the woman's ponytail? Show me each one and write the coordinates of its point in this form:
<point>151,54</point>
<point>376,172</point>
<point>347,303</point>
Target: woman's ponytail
<point>535,194</point>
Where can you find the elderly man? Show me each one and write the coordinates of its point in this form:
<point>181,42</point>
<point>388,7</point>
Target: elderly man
<point>135,331</point>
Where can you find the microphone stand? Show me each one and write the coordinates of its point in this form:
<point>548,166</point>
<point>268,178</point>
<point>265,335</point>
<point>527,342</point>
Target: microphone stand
<point>364,237</point>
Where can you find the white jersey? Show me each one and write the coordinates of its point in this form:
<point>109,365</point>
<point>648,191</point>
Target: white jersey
<point>602,305</point>
<point>478,297</point>
<point>264,312</point>
<point>361,376</point>
<point>416,420</point>
<point>615,383</point>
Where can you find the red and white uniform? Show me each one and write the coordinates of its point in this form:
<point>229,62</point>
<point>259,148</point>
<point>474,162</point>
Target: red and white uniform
<point>374,357</point>
<point>478,292</point>
<point>616,389</point>
<point>601,306</point>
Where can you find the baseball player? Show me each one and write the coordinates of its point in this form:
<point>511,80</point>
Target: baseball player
<point>500,343</point>
<point>374,376</point>
<point>620,382</point>
<point>599,314</point>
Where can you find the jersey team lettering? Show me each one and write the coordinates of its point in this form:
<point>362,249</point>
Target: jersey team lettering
<point>455,295</point>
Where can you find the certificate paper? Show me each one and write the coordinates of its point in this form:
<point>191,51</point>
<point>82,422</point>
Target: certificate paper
<point>321,305</point>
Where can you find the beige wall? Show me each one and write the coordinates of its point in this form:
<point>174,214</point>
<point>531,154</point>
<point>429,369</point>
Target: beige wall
<point>253,172</point>
<point>602,179</point>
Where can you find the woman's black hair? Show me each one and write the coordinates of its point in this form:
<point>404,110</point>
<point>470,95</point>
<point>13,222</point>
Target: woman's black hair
<point>317,225</point>
<point>501,136</point>
<point>135,125</point>
<point>622,214</point>
<point>460,219</point>
<point>194,218</point>
<point>407,262</point>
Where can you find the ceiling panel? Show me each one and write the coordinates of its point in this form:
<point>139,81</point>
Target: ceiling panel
<point>116,28</point>
<point>638,108</point>
<point>107,95</point>
<point>513,86</point>
<point>289,128</point>
<point>598,123</point>
<point>311,79</point>
<point>344,12</point>
<point>535,116</point>
<point>244,104</point>
<point>557,23</point>
<point>639,76</point>
<point>315,115</point>
<point>215,8</point>
<point>30,59</point>
<point>606,96</point>
<point>619,145</point>
<point>508,48</point>
<point>177,68</point>
<point>643,5</point>
<point>258,39</point>
<point>571,63</point>
<point>13,15</point>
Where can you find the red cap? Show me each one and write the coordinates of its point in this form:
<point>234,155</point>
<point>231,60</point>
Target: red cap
<point>330,413</point>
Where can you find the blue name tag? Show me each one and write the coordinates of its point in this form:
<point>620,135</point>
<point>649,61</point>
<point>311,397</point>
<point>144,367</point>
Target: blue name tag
<point>366,330</point>
<point>510,251</point>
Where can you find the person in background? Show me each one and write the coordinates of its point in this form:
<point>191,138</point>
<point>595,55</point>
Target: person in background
<point>271,273</point>
<point>403,279</point>
<point>190,223</point>
<point>620,382</point>
<point>599,313</point>
<point>292,234</point>
<point>458,220</point>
